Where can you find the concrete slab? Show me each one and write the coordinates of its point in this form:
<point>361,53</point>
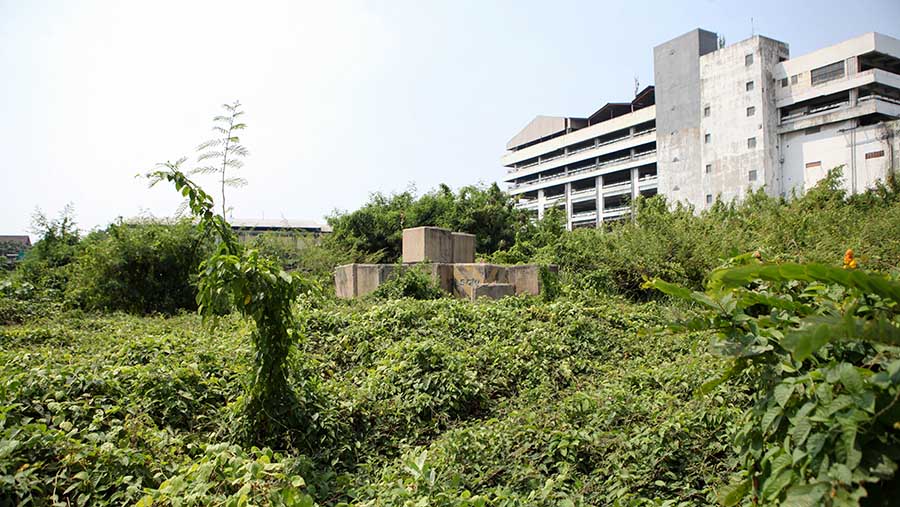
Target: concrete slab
<point>493,291</point>
<point>427,244</point>
<point>463,247</point>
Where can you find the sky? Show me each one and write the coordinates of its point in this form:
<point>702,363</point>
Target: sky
<point>341,98</point>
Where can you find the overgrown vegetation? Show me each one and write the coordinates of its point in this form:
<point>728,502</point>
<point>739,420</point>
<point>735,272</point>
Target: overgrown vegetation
<point>409,398</point>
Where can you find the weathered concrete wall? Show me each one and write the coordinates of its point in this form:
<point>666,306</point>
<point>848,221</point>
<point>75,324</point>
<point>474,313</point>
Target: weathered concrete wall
<point>526,278</point>
<point>724,79</point>
<point>345,281</point>
<point>466,277</point>
<point>463,247</point>
<point>427,244</point>
<point>355,280</point>
<point>676,72</point>
<point>493,291</point>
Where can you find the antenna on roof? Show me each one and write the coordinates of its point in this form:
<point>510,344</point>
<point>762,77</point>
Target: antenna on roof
<point>752,28</point>
<point>637,85</point>
<point>721,41</point>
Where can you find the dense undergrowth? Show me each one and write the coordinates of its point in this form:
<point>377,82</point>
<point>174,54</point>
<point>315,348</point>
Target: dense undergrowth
<point>519,402</point>
<point>409,398</point>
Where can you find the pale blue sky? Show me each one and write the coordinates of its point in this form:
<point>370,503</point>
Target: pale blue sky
<point>342,98</point>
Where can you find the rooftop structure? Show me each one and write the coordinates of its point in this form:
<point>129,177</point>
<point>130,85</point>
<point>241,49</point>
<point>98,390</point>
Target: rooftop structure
<point>719,122</point>
<point>13,248</point>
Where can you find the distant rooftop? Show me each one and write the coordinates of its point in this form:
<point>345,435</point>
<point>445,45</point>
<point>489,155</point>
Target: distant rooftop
<point>542,128</point>
<point>278,224</point>
<point>19,240</point>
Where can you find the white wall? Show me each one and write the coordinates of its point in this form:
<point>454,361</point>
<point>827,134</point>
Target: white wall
<point>835,145</point>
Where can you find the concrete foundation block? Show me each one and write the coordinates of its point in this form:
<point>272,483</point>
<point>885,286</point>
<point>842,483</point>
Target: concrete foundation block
<point>526,278</point>
<point>463,247</point>
<point>355,280</point>
<point>432,244</point>
<point>345,281</point>
<point>493,291</point>
<point>466,277</point>
<point>440,273</point>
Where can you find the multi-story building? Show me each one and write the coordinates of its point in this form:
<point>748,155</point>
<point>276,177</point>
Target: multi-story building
<point>720,121</point>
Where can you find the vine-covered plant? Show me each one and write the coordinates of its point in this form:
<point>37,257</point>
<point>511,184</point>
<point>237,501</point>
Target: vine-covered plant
<point>822,344</point>
<point>258,288</point>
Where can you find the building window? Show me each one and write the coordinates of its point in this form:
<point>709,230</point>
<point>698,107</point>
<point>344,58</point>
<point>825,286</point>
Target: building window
<point>749,85</point>
<point>874,154</point>
<point>751,111</point>
<point>751,142</point>
<point>813,165</point>
<point>794,79</point>
<point>706,111</point>
<point>707,138</point>
<point>784,82</point>
<point>812,130</point>
<point>708,168</point>
<point>827,73</point>
<point>708,198</point>
<point>748,60</point>
<point>753,175</point>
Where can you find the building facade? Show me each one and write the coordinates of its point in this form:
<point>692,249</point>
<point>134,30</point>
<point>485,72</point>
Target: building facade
<point>720,121</point>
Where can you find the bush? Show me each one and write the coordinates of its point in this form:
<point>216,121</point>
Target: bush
<point>411,282</point>
<point>377,227</point>
<point>139,268</point>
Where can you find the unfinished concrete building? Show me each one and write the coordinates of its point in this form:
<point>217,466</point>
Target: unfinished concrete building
<point>719,122</point>
<point>449,258</point>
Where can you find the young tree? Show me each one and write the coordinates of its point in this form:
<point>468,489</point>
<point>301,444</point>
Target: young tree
<point>224,151</point>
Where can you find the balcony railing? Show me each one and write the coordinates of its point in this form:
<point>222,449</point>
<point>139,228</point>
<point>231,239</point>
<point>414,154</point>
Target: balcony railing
<point>816,110</point>
<point>629,158</point>
<point>617,209</point>
<point>584,214</point>
<point>579,150</point>
<point>875,96</point>
<point>584,191</point>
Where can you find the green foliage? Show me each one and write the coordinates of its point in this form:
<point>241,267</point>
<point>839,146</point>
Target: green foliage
<point>139,267</point>
<point>230,476</point>
<point>409,282</point>
<point>258,288</point>
<point>224,152</point>
<point>513,402</point>
<point>46,266</point>
<point>675,244</point>
<point>822,345</point>
<point>377,227</point>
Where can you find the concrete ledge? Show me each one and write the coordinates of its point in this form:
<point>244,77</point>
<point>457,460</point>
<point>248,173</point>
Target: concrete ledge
<point>493,291</point>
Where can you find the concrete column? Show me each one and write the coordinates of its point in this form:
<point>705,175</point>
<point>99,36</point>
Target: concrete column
<point>635,191</point>
<point>569,206</point>
<point>541,202</point>
<point>599,197</point>
<point>631,132</point>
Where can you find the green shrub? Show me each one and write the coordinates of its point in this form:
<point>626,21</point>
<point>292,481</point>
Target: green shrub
<point>822,345</point>
<point>410,282</point>
<point>139,268</point>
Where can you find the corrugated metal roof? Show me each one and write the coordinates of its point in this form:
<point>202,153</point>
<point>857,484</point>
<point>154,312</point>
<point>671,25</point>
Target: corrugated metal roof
<point>277,223</point>
<point>21,240</point>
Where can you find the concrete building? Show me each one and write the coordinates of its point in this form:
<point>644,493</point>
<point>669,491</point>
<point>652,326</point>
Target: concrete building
<point>719,122</point>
